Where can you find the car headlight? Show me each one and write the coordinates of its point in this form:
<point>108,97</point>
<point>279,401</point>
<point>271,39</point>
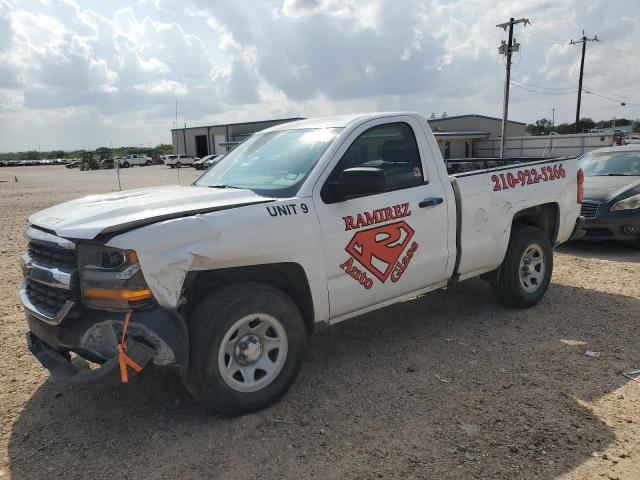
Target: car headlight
<point>111,279</point>
<point>627,203</point>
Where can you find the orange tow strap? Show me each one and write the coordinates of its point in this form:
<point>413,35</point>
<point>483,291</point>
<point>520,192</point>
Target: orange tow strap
<point>123,358</point>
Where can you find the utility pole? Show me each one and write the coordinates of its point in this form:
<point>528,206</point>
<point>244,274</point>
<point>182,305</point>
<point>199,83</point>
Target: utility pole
<point>584,41</point>
<point>553,117</point>
<point>507,49</point>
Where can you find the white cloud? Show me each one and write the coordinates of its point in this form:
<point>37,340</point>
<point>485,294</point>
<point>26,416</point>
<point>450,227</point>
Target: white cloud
<point>106,71</point>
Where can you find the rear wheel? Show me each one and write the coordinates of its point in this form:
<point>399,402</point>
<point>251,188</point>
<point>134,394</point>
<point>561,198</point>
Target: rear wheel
<point>247,346</point>
<point>524,276</point>
<point>147,163</point>
<point>125,165</point>
<point>178,165</point>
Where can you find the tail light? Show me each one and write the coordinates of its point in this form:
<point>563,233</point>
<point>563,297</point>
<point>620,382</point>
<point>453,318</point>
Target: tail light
<point>580,185</point>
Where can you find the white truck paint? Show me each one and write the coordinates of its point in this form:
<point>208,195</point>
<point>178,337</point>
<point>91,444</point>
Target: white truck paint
<point>357,254</point>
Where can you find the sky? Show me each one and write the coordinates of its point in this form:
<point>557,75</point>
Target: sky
<point>83,74</point>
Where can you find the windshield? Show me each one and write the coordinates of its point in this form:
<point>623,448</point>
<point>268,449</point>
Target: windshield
<point>611,164</point>
<point>273,163</point>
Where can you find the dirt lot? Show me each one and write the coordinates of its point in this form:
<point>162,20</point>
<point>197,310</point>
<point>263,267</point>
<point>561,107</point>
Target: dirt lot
<point>449,385</point>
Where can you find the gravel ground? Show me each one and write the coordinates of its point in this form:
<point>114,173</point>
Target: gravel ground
<point>448,385</point>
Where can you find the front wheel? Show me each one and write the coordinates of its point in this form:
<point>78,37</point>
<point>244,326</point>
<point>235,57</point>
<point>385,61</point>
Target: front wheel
<point>247,346</point>
<point>525,273</point>
<point>125,165</point>
<point>147,163</point>
<point>178,165</point>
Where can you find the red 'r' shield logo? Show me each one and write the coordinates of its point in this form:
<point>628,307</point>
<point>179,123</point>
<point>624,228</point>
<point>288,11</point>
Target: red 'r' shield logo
<point>379,248</point>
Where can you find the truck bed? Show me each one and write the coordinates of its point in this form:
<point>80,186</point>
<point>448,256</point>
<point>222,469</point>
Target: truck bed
<point>489,192</point>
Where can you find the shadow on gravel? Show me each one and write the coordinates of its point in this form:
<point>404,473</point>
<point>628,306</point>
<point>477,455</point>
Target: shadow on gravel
<point>449,385</point>
<point>613,251</point>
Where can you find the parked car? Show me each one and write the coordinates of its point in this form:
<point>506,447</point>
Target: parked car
<point>611,203</point>
<point>302,226</point>
<point>177,161</point>
<point>106,163</point>
<point>199,164</point>
<point>135,159</point>
<point>74,164</point>
<point>213,161</point>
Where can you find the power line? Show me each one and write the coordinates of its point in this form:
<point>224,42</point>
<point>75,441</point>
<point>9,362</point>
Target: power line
<point>537,38</point>
<point>542,93</point>
<point>573,89</point>
<point>620,98</point>
<point>544,32</point>
<point>622,102</point>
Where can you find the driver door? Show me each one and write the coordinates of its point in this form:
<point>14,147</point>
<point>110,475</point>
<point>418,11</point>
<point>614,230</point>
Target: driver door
<point>380,246</point>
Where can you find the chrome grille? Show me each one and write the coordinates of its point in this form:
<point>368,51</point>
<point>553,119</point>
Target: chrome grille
<point>50,290</point>
<point>589,209</point>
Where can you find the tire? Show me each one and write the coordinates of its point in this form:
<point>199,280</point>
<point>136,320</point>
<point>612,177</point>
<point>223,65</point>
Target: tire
<point>147,163</point>
<point>530,249</point>
<point>125,165</point>
<point>178,165</point>
<point>216,376</point>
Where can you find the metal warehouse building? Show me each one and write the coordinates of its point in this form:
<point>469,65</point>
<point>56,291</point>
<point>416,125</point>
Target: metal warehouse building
<point>457,135</point>
<point>217,139</point>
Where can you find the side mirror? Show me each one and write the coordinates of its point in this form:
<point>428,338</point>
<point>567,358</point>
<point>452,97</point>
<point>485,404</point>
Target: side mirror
<point>359,181</point>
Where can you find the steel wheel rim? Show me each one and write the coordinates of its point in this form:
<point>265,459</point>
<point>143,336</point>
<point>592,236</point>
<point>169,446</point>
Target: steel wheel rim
<point>265,352</point>
<point>532,268</point>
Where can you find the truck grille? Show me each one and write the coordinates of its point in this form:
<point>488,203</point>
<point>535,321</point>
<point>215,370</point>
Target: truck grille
<point>52,256</point>
<point>48,299</point>
<point>50,290</point>
<point>589,209</point>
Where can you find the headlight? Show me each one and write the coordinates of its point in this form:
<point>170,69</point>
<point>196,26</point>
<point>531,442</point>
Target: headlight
<point>111,278</point>
<point>627,203</point>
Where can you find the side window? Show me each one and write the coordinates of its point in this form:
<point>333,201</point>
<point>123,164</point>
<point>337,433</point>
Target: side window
<point>391,147</point>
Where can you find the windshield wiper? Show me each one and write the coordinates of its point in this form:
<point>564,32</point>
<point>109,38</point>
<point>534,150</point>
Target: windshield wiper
<point>225,186</point>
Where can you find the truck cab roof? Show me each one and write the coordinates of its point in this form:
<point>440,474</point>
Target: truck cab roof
<point>337,121</point>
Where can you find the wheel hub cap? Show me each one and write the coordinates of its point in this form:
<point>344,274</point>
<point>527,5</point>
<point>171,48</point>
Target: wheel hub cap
<point>532,268</point>
<point>252,352</point>
<point>248,349</point>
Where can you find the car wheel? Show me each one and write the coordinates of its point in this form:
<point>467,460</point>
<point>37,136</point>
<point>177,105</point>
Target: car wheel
<point>247,346</point>
<point>125,165</point>
<point>525,273</point>
<point>147,163</point>
<point>178,165</point>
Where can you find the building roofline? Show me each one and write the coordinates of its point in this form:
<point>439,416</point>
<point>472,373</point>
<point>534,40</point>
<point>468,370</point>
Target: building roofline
<point>461,134</point>
<point>474,115</point>
<point>292,119</point>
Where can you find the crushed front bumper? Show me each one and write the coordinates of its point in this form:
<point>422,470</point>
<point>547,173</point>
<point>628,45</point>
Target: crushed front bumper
<point>153,337</point>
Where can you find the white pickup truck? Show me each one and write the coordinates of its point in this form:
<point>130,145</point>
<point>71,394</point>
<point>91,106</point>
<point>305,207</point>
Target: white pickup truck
<point>135,159</point>
<point>301,226</point>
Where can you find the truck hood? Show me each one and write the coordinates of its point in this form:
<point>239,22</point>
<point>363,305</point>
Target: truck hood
<point>604,189</point>
<point>88,217</point>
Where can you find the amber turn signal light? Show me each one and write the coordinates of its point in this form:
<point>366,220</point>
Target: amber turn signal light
<point>117,294</point>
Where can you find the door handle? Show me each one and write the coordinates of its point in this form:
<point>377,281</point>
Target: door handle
<point>430,202</point>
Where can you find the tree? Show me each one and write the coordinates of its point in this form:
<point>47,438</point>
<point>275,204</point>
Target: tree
<point>585,124</point>
<point>635,126</point>
<point>541,127</point>
<point>565,128</point>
